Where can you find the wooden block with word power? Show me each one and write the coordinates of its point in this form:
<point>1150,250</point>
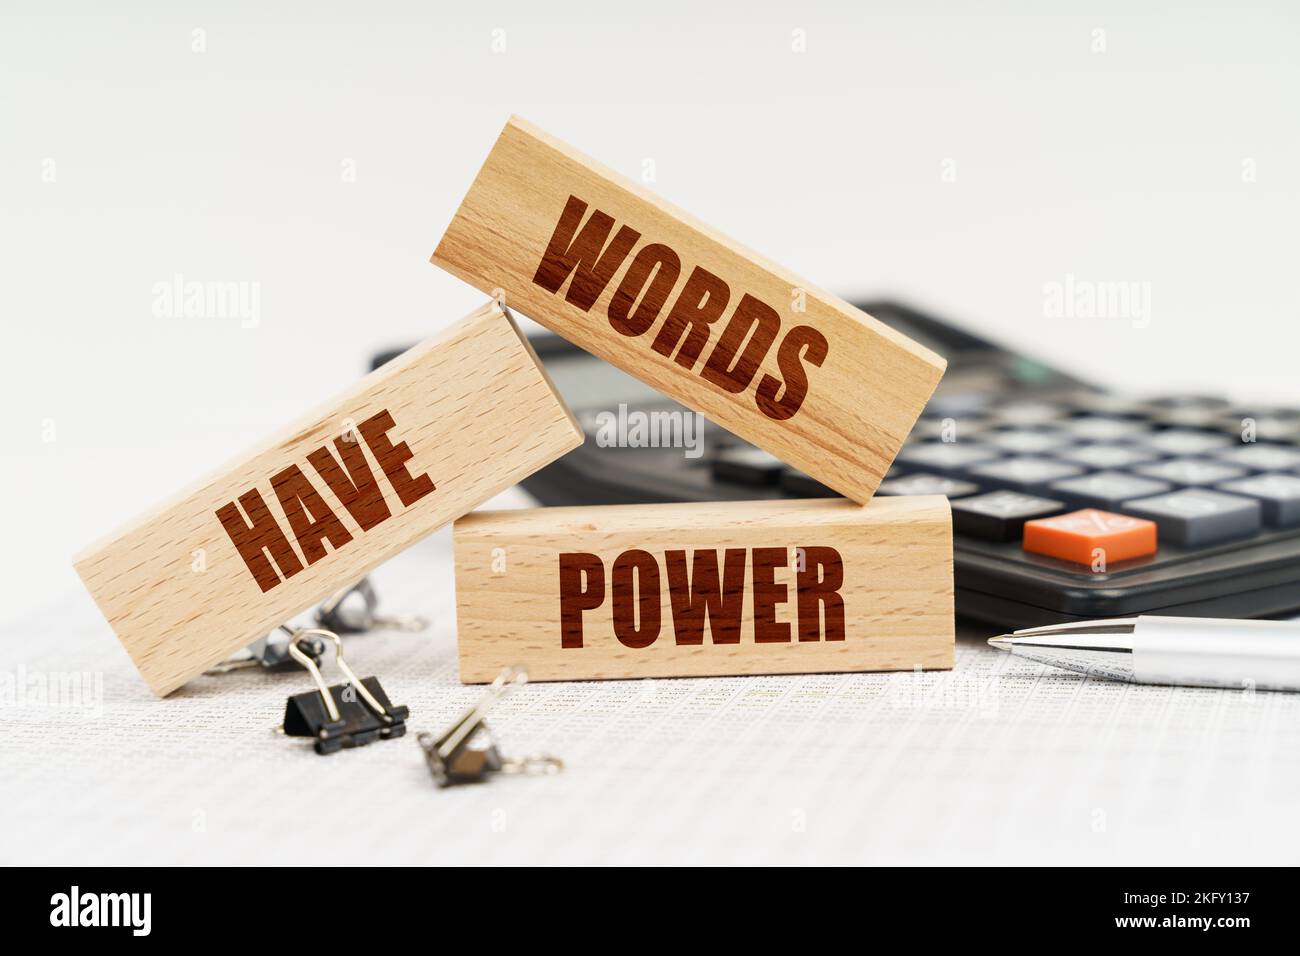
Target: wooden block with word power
<point>410,447</point>
<point>599,260</point>
<point>686,590</point>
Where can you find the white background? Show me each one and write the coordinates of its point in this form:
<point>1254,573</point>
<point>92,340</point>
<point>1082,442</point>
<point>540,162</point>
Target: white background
<point>227,165</point>
<point>1093,140</point>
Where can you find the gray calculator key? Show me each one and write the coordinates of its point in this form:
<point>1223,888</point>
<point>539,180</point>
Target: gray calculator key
<point>1024,442</point>
<point>1191,472</point>
<point>947,456</point>
<point>1259,457</point>
<point>923,484</point>
<point>1028,413</point>
<point>799,485</point>
<point>1025,473</point>
<point>747,466</point>
<point>1195,517</point>
<point>1107,456</point>
<point>1186,442</point>
<point>1103,428</point>
<point>1106,489</point>
<point>947,429</point>
<point>1279,496</point>
<point>1000,515</point>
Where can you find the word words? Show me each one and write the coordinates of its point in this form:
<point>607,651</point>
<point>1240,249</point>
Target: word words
<point>312,521</point>
<point>102,909</point>
<point>592,258</point>
<point>660,429</point>
<point>707,589</point>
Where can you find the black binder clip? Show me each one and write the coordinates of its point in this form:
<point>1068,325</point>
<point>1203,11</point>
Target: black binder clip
<point>468,753</point>
<point>356,609</point>
<point>345,715</point>
<point>271,653</point>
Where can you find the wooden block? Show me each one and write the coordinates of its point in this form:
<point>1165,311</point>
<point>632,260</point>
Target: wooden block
<point>410,447</point>
<point>685,590</point>
<point>597,259</point>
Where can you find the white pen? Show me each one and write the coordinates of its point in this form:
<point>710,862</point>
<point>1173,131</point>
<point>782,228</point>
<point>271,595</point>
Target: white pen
<point>1192,651</point>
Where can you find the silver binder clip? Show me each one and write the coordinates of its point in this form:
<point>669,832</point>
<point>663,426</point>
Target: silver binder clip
<point>273,651</point>
<point>468,753</point>
<point>355,609</point>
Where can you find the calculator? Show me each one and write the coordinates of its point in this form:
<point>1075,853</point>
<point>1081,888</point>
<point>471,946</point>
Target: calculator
<point>1068,502</point>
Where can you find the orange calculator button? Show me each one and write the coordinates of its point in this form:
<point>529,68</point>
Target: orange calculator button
<point>1077,536</point>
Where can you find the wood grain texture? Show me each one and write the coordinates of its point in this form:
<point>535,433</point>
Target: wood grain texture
<point>856,408</point>
<point>475,409</point>
<point>513,589</point>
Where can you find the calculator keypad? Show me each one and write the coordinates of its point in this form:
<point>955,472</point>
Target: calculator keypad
<point>1057,479</point>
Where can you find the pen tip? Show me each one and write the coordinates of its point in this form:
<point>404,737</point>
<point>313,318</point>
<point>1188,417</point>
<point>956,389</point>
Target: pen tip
<point>1002,640</point>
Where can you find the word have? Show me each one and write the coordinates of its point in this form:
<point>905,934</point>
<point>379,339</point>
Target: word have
<point>703,592</point>
<point>102,909</point>
<point>311,520</point>
<point>591,258</point>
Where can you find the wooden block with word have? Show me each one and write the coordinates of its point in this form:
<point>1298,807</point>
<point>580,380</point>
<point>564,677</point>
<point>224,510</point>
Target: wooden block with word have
<point>597,259</point>
<point>685,590</point>
<point>418,442</point>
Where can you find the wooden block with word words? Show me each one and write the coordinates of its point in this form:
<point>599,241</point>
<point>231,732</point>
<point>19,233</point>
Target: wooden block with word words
<point>597,259</point>
<point>686,590</point>
<point>415,444</point>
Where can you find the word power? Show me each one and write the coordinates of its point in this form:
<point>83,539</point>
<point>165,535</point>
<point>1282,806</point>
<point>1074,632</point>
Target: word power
<point>614,269</point>
<point>699,589</point>
<point>414,445</point>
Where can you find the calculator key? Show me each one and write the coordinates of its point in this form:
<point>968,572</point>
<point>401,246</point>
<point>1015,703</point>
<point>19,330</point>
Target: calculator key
<point>1107,456</point>
<point>1191,472</point>
<point>1186,442</point>
<point>1103,428</point>
<point>1025,473</point>
<point>747,466</point>
<point>1104,403</point>
<point>1263,424</point>
<point>1027,413</point>
<point>923,484</point>
<point>1278,495</point>
<point>1259,457</point>
<point>1026,442</point>
<point>947,456</point>
<point>1083,536</point>
<point>948,429</point>
<point>1186,411</point>
<point>1106,489</point>
<point>1000,515</point>
<point>954,404</point>
<point>798,485</point>
<point>1195,517</point>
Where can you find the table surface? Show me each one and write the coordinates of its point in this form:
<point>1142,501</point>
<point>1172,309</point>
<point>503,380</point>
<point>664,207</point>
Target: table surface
<point>997,761</point>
